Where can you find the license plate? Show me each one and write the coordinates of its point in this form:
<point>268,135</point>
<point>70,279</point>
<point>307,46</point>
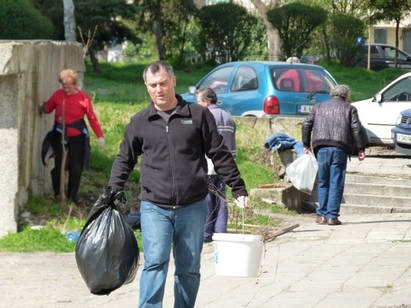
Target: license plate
<point>404,138</point>
<point>305,108</point>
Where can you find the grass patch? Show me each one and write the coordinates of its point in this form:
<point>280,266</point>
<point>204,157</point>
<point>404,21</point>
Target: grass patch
<point>38,206</point>
<point>248,221</point>
<point>274,209</point>
<point>29,240</point>
<point>49,238</point>
<point>401,241</point>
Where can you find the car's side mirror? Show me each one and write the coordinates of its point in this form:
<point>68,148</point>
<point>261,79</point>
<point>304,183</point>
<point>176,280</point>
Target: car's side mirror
<point>192,89</point>
<point>378,98</point>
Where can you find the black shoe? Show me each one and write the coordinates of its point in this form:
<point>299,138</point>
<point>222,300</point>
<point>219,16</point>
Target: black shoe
<point>208,240</point>
<point>334,222</point>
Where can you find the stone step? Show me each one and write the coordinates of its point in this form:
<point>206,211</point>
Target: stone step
<point>370,189</point>
<point>310,206</point>
<point>386,180</point>
<point>381,180</point>
<point>384,191</point>
<point>377,200</point>
<point>370,186</point>
<point>362,194</point>
<point>377,189</point>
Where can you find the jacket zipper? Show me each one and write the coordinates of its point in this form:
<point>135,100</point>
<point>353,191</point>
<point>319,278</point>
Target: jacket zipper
<point>171,164</point>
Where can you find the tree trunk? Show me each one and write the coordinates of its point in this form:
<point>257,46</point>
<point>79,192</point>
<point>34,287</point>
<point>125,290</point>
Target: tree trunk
<point>94,60</point>
<point>69,21</point>
<point>159,31</point>
<point>397,41</point>
<point>274,43</point>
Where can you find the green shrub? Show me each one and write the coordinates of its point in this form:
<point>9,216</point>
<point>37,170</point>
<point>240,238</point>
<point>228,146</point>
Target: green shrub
<point>20,20</point>
<point>345,29</point>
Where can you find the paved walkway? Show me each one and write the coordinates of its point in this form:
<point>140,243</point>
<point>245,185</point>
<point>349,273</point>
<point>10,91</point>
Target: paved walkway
<point>384,162</point>
<point>364,263</point>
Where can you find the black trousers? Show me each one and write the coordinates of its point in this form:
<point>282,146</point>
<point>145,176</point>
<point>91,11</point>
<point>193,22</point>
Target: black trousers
<point>74,164</point>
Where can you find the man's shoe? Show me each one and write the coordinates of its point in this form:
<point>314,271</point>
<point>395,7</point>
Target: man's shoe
<point>321,220</point>
<point>208,240</point>
<point>333,221</point>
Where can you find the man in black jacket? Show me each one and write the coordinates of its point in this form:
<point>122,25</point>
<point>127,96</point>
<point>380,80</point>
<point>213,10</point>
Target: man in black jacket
<point>337,133</point>
<point>173,138</point>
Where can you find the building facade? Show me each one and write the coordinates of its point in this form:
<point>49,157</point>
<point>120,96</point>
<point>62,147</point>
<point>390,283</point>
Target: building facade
<point>385,33</point>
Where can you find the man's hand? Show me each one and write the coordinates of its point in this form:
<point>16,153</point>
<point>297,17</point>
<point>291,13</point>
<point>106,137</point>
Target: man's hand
<point>101,142</point>
<point>361,156</point>
<point>42,108</point>
<point>241,202</point>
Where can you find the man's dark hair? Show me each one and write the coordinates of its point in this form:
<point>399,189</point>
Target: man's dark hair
<point>156,66</point>
<point>208,94</point>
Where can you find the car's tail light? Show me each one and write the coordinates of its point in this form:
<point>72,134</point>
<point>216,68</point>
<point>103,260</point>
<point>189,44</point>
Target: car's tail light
<point>271,105</point>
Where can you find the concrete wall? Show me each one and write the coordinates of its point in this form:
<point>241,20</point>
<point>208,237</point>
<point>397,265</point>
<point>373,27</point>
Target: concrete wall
<point>29,72</point>
<point>287,125</point>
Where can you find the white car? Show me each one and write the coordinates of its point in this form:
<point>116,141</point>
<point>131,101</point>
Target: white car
<point>379,114</point>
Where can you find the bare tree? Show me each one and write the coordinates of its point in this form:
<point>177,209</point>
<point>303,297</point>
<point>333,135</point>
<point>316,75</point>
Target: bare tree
<point>69,21</point>
<point>274,45</point>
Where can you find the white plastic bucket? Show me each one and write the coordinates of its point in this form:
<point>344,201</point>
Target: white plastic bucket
<point>237,255</point>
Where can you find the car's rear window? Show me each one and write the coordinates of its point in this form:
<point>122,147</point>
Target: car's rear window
<point>299,79</point>
<point>374,51</point>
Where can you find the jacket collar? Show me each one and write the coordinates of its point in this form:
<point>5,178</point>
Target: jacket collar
<point>213,106</point>
<point>181,108</point>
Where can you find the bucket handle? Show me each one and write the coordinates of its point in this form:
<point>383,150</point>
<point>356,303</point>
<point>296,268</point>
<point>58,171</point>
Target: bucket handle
<point>242,212</point>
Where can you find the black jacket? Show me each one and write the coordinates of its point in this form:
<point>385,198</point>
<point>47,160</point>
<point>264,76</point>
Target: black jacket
<point>47,150</point>
<point>334,123</point>
<point>173,168</point>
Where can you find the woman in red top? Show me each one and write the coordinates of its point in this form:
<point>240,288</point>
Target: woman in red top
<point>71,105</point>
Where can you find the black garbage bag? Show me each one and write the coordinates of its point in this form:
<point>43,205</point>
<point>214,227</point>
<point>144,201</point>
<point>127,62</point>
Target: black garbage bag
<point>107,253</point>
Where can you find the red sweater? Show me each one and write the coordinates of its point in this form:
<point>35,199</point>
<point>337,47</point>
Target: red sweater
<point>76,107</point>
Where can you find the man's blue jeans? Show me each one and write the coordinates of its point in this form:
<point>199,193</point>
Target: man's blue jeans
<point>332,166</point>
<point>182,229</point>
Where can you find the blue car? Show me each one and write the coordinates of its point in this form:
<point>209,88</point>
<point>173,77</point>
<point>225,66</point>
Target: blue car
<point>401,133</point>
<point>266,89</point>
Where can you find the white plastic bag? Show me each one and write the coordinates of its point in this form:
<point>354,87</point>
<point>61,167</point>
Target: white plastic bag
<point>302,172</point>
